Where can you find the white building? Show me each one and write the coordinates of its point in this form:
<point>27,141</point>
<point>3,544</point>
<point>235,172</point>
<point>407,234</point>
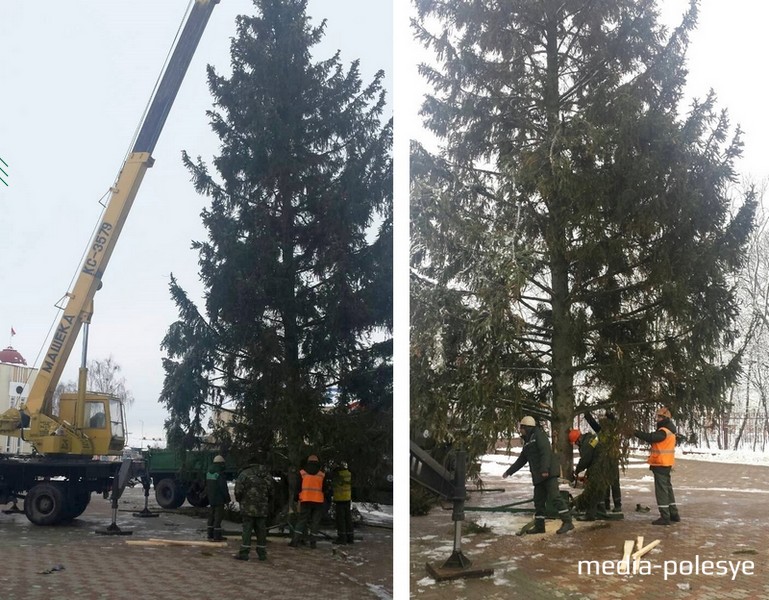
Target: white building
<point>15,381</point>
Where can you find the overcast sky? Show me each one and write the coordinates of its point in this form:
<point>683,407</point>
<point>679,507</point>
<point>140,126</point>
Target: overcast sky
<point>76,78</point>
<point>727,53</point>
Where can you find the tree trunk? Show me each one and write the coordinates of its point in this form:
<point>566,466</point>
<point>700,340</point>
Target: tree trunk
<point>562,373</point>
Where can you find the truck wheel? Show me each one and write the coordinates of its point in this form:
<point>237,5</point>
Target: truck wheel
<point>76,504</point>
<point>168,493</point>
<point>196,495</point>
<point>45,504</point>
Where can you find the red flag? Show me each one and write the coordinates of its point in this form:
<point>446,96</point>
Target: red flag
<point>13,331</point>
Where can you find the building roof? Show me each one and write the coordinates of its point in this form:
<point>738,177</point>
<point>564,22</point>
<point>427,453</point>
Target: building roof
<point>11,356</point>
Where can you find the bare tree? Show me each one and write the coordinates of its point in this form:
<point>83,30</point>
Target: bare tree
<point>104,378</point>
<point>752,286</point>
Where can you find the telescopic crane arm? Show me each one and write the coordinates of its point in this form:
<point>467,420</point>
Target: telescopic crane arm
<point>79,305</point>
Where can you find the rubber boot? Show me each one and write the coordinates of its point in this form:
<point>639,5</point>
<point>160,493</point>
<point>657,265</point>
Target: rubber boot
<point>218,535</point>
<point>294,541</point>
<point>340,539</point>
<point>539,527</point>
<point>261,553</point>
<point>350,538</point>
<point>210,534</point>
<point>674,516</point>
<point>664,517</point>
<point>565,526</point>
<point>242,553</point>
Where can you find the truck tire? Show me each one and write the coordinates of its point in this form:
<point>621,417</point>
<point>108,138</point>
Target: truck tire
<point>76,504</point>
<point>196,495</point>
<point>45,504</point>
<point>168,493</point>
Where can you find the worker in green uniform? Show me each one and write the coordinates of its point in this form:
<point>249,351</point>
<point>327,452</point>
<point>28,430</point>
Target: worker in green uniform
<point>592,461</point>
<point>218,495</point>
<point>544,467</point>
<point>254,491</point>
<point>608,425</point>
<point>342,495</point>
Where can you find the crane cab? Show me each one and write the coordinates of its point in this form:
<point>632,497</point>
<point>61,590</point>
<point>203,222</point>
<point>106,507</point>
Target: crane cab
<point>102,419</point>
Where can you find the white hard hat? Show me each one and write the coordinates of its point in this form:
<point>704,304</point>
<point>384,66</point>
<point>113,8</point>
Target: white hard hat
<point>528,421</point>
<point>219,459</point>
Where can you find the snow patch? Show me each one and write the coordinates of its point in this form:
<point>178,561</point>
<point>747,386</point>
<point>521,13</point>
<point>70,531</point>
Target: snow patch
<point>379,591</point>
<point>380,515</point>
<point>741,457</point>
<point>722,489</point>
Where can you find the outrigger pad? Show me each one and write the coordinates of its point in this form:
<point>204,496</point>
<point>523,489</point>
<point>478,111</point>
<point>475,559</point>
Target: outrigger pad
<point>113,529</point>
<point>445,574</point>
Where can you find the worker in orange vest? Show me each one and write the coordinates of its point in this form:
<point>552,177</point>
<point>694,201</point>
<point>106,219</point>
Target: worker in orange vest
<point>661,460</point>
<point>311,502</point>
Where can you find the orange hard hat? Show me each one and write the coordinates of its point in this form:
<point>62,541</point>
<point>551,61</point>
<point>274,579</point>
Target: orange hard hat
<point>574,435</point>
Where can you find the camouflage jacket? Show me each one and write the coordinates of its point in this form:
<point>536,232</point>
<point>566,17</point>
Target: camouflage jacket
<point>253,489</point>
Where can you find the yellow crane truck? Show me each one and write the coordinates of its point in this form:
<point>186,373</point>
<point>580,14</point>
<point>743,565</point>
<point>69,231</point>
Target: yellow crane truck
<point>68,464</point>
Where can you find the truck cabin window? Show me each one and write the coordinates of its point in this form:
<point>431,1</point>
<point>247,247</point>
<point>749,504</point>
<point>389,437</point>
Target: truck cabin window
<point>94,415</point>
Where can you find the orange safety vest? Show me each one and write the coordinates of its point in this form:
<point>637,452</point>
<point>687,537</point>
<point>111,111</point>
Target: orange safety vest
<point>663,454</point>
<point>312,487</point>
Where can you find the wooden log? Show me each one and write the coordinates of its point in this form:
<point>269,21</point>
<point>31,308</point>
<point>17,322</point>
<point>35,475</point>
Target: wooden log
<point>626,554</point>
<point>645,549</point>
<point>160,542</point>
<point>189,542</point>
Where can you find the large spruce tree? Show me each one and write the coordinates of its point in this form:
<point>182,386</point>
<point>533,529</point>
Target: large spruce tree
<point>295,334</point>
<point>575,239</point>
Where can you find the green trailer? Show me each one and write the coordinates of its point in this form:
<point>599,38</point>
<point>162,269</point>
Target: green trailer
<point>179,475</point>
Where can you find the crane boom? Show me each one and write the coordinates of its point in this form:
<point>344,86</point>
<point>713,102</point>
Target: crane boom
<point>57,482</point>
<point>80,299</point>
<point>79,305</point>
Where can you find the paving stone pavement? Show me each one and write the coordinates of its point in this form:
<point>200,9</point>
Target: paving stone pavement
<point>96,566</point>
<point>723,509</point>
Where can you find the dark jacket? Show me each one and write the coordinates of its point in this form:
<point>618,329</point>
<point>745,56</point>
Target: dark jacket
<point>659,435</point>
<point>216,485</point>
<point>589,452</point>
<point>540,456</point>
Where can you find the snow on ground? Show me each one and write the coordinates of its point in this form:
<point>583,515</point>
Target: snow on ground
<point>378,515</point>
<point>379,591</point>
<point>501,523</point>
<point>740,457</point>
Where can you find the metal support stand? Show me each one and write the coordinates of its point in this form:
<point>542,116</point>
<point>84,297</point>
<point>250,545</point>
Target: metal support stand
<point>146,512</point>
<point>113,529</point>
<point>457,565</point>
